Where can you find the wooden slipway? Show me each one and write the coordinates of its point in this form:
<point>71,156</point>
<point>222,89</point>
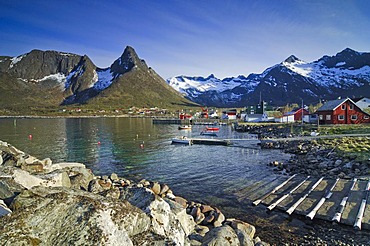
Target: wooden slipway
<point>331,205</point>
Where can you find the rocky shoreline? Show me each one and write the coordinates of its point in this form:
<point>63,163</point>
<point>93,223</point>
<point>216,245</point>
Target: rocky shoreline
<point>42,203</point>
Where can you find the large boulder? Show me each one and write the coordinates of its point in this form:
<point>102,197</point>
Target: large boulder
<point>168,218</point>
<point>244,231</point>
<point>27,180</point>
<point>221,236</point>
<point>61,216</point>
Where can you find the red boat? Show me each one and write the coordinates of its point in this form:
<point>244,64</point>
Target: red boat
<point>213,129</point>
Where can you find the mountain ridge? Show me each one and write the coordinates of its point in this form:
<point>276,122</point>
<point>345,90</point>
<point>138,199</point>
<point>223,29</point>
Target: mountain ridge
<point>345,74</point>
<point>52,78</point>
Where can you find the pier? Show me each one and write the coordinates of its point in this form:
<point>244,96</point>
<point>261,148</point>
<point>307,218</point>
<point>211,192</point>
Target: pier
<point>210,141</point>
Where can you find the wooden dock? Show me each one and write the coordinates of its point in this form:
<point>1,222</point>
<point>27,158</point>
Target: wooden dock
<point>330,206</point>
<point>210,141</point>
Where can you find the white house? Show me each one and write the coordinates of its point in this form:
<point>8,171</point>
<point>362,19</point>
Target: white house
<point>256,117</point>
<point>285,119</point>
<point>362,103</point>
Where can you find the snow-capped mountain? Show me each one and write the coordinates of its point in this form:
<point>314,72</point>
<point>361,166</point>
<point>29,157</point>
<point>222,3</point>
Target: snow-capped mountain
<point>345,74</point>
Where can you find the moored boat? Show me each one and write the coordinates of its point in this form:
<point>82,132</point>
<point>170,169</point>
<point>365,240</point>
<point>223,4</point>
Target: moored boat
<point>181,140</point>
<point>214,129</point>
<point>208,133</point>
<point>185,127</point>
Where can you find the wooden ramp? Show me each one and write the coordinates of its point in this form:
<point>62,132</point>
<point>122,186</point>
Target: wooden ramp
<point>312,195</point>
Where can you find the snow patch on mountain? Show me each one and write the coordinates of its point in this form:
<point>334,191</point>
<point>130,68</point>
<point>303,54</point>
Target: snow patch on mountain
<point>104,79</point>
<point>59,77</point>
<point>16,59</point>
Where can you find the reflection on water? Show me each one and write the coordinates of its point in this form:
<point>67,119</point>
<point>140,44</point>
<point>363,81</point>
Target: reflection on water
<point>135,148</point>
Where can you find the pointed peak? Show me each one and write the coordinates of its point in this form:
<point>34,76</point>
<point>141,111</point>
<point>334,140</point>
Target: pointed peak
<point>128,60</point>
<point>129,50</point>
<point>292,59</point>
<point>211,76</point>
<point>347,52</point>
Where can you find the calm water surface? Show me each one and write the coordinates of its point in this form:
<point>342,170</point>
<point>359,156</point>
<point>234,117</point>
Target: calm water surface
<point>224,176</point>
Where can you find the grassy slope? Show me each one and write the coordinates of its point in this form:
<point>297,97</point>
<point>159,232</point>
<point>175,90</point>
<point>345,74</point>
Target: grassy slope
<point>140,89</point>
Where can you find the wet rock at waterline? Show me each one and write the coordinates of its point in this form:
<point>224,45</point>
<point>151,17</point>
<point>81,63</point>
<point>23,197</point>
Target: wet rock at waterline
<point>42,203</point>
<point>310,157</point>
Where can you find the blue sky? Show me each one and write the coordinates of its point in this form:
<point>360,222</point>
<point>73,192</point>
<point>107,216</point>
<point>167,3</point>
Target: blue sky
<point>188,37</point>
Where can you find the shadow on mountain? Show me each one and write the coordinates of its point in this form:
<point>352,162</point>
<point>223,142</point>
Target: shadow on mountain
<point>80,97</point>
<point>186,104</point>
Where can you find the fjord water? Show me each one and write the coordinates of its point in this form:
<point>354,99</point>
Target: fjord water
<point>224,176</point>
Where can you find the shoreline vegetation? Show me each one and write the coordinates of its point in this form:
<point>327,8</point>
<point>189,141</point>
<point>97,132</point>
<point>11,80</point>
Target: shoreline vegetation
<point>52,204</point>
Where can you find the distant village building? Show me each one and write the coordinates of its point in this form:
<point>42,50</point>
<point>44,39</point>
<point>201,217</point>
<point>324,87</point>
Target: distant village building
<point>255,117</point>
<point>297,113</point>
<point>342,111</point>
<point>285,119</point>
<point>260,108</point>
<point>229,114</point>
<point>363,102</point>
<point>311,118</point>
<point>257,113</point>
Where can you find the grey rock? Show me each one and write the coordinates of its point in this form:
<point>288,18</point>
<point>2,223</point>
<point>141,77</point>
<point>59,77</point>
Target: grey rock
<point>164,189</point>
<point>338,163</point>
<point>202,230</point>
<point>94,186</point>
<point>80,177</point>
<point>114,177</point>
<point>182,201</point>
<point>156,187</point>
<point>4,210</point>
<point>5,190</point>
<point>221,236</point>
<point>244,231</point>
<point>219,218</point>
<point>63,216</point>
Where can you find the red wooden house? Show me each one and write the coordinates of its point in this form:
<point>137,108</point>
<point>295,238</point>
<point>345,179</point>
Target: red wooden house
<point>342,111</point>
<point>298,113</point>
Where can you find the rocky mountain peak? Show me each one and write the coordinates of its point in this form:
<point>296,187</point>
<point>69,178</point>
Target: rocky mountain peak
<point>292,59</point>
<point>37,64</point>
<point>347,58</point>
<point>128,60</point>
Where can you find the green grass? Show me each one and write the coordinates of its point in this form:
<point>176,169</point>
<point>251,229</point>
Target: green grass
<point>356,148</point>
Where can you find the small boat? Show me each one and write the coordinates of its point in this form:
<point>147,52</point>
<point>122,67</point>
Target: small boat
<point>214,129</point>
<point>185,127</point>
<point>182,140</point>
<point>206,133</point>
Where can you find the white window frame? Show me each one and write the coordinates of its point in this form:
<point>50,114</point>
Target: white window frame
<point>354,117</point>
<point>343,106</point>
<point>351,107</point>
<point>328,117</point>
<point>341,117</point>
